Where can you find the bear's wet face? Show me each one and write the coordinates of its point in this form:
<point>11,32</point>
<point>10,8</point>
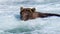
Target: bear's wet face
<point>26,13</point>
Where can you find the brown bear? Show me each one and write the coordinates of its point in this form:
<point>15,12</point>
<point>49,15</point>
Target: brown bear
<point>30,13</point>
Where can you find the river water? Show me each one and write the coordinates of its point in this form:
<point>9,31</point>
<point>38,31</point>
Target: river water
<point>11,24</point>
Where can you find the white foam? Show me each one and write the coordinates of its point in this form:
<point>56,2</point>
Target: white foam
<point>9,19</point>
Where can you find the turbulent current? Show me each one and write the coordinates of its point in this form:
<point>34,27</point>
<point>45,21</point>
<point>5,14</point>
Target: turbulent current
<point>10,22</point>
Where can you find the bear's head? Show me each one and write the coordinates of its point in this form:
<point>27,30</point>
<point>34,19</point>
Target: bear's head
<point>26,13</point>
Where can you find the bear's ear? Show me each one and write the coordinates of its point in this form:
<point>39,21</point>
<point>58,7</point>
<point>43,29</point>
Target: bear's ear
<point>21,8</point>
<point>33,9</point>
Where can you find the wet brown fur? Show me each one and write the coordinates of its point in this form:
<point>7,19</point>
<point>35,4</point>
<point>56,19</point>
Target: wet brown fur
<point>30,13</point>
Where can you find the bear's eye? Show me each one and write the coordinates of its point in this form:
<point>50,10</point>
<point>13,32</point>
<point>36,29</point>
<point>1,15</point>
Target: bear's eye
<point>27,10</point>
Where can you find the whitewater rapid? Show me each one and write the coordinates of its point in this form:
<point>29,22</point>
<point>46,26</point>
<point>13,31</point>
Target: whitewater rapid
<point>10,22</point>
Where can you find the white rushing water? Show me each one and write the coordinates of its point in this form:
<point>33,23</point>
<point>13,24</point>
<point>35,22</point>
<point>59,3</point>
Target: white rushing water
<point>10,22</point>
